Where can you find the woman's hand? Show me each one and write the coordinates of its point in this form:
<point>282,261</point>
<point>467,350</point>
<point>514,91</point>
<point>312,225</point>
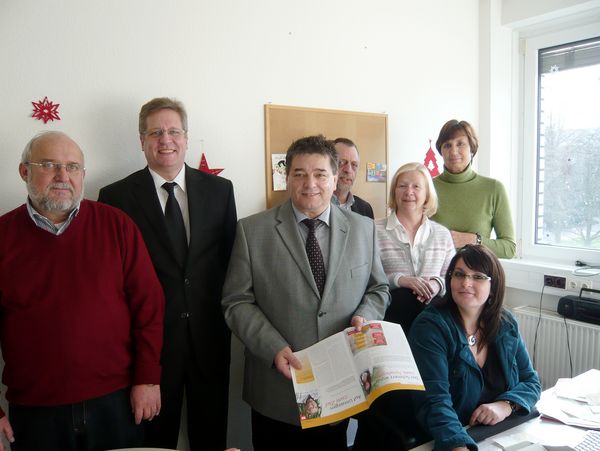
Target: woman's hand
<point>463,238</point>
<point>490,414</point>
<point>422,288</point>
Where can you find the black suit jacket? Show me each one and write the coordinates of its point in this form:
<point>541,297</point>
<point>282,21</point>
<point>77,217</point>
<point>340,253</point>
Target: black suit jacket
<point>362,207</point>
<point>193,292</point>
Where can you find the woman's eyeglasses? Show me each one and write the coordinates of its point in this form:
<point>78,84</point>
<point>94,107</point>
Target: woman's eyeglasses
<point>477,277</point>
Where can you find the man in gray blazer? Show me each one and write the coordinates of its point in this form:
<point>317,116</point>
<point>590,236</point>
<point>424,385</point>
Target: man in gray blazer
<point>283,292</point>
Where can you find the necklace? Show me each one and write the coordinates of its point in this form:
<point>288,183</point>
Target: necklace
<point>472,338</point>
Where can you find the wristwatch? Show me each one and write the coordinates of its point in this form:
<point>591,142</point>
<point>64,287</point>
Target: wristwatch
<point>513,406</point>
<point>477,238</point>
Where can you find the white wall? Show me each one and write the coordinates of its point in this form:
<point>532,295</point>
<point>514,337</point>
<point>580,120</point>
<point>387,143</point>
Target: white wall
<point>416,61</point>
<point>102,60</point>
<point>522,13</point>
<point>420,62</point>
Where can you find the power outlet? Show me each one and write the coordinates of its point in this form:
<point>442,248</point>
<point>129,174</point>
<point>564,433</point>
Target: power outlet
<point>555,281</point>
<point>577,283</point>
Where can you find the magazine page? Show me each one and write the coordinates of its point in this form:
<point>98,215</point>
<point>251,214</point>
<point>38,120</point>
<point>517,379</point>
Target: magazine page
<point>383,359</point>
<point>344,373</point>
<point>327,387</point>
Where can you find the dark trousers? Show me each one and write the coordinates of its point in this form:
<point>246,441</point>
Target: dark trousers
<point>269,434</point>
<point>206,399</point>
<point>405,307</point>
<point>94,425</point>
<point>389,424</point>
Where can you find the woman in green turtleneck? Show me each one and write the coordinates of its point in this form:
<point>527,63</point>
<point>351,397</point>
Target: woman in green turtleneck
<point>471,205</point>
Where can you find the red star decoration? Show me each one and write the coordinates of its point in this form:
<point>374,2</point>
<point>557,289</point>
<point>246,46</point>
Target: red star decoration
<point>204,167</point>
<point>45,110</point>
<point>431,163</point>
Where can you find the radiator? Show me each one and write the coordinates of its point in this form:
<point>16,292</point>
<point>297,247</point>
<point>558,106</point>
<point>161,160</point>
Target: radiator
<point>552,356</point>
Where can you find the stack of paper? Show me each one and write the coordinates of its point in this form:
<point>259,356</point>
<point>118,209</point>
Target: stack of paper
<point>575,402</point>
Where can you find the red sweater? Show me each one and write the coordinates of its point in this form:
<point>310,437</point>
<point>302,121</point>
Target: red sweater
<point>81,314</point>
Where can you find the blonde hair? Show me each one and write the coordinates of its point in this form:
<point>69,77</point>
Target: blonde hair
<point>431,200</point>
<point>162,103</point>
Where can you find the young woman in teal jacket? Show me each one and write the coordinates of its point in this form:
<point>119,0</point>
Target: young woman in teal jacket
<point>470,354</point>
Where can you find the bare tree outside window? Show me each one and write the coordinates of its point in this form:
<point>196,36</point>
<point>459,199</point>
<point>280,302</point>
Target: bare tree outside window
<point>568,184</point>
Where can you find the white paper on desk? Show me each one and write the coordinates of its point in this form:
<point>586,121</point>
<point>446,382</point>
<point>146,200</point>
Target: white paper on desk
<point>572,389</point>
<point>585,387</point>
<point>533,447</point>
<point>538,447</point>
<point>514,442</point>
<point>566,388</point>
<point>594,399</point>
<point>581,412</point>
<point>551,408</point>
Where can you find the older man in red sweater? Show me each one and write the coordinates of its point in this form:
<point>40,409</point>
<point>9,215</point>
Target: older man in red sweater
<point>81,312</point>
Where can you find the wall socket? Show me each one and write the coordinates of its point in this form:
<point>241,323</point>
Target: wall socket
<point>577,283</point>
<point>555,281</point>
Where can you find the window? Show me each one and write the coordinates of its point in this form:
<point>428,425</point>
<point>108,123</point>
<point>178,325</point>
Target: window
<point>561,157</point>
<point>568,163</point>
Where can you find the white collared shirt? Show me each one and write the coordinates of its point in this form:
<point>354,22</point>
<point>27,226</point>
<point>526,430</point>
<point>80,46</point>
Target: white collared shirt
<point>44,223</point>
<point>180,195</point>
<point>428,256</point>
<point>417,248</point>
<point>346,205</point>
<point>321,231</point>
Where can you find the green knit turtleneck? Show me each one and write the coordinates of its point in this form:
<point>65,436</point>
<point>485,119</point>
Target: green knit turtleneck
<point>462,177</point>
<point>469,202</point>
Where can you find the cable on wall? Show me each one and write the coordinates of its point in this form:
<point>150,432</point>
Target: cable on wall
<point>537,327</point>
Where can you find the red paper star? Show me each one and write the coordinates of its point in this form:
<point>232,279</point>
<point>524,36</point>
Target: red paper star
<point>45,110</point>
<point>204,167</point>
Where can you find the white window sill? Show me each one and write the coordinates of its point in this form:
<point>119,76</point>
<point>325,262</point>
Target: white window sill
<point>528,275</point>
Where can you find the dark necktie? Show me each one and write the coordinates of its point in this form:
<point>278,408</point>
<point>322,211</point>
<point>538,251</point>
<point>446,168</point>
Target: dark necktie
<point>175,225</point>
<point>315,257</point>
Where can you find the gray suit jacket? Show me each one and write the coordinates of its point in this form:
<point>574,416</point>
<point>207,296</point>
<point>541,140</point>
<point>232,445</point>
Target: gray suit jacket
<point>271,301</point>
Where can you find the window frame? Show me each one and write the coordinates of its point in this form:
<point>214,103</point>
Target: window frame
<point>529,148</point>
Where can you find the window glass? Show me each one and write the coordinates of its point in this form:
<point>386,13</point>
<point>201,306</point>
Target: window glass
<point>568,163</point>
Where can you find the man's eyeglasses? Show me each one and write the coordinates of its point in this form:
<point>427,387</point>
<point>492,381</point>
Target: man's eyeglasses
<point>50,166</point>
<point>159,133</point>
<point>477,277</point>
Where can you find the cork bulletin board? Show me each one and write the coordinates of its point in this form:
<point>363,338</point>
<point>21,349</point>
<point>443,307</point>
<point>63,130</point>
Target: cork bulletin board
<point>284,124</point>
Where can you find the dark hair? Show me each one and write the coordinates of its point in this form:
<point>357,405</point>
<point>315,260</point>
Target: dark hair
<point>312,145</point>
<point>162,103</point>
<point>480,258</point>
<point>453,126</point>
<point>345,141</point>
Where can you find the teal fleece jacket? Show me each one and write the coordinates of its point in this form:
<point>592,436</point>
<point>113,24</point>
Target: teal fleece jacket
<point>453,380</point>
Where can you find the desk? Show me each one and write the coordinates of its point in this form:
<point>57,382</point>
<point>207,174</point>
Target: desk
<point>543,431</point>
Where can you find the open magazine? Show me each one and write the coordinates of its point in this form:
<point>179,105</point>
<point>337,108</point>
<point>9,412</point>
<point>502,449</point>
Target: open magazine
<point>343,374</point>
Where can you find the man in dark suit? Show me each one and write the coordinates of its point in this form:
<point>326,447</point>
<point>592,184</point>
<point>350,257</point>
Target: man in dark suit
<point>188,227</point>
<point>349,162</point>
<point>299,273</point>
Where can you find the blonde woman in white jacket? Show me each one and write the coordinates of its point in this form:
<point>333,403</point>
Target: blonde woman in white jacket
<point>415,251</point>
